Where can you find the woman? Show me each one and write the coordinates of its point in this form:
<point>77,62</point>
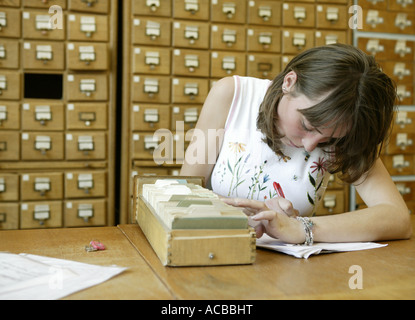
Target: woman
<point>329,111</point>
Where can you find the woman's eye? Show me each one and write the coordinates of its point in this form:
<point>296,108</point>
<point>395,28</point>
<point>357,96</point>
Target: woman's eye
<point>305,128</point>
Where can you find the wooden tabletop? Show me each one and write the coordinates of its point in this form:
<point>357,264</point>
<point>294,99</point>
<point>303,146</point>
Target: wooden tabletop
<point>138,282</point>
<point>386,273</point>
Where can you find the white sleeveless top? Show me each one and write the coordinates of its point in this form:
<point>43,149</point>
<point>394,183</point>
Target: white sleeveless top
<point>247,168</point>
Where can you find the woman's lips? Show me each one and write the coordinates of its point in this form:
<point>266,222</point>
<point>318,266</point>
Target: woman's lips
<point>292,144</point>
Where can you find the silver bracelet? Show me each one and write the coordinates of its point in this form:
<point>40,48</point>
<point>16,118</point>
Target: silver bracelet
<point>308,228</point>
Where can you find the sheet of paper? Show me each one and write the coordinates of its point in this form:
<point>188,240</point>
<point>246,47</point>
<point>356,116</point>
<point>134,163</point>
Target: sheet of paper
<point>31,277</point>
<point>304,251</point>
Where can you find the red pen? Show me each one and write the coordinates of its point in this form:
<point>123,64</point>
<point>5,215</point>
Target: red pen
<point>278,188</point>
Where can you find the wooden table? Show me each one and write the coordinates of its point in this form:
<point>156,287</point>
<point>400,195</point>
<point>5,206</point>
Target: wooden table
<point>387,273</point>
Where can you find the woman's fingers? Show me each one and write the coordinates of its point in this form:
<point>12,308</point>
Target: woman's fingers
<point>245,203</point>
<point>282,205</point>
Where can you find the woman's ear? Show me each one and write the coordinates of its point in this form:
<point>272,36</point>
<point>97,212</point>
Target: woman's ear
<point>289,82</point>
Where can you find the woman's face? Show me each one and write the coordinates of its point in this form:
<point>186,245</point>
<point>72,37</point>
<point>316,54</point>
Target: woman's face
<point>295,128</point>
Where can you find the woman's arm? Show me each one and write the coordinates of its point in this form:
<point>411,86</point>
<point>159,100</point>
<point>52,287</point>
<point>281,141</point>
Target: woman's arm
<point>204,147</point>
<point>386,218</point>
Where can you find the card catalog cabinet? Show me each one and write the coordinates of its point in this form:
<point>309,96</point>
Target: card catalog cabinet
<point>388,33</point>
<point>57,113</point>
<point>174,50</point>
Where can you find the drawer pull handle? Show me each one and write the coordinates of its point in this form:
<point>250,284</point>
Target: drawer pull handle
<point>41,213</point>
<point>90,3</point>
<point>329,202</point>
<point>3,20</point>
<point>87,117</point>
<point>43,144</point>
<point>88,26</point>
<point>42,185</point>
<point>85,182</point>
<point>86,212</point>
<point>43,114</point>
<point>229,9</point>
<point>2,185</point>
<point>153,4</point>
<point>265,13</point>
<point>192,6</point>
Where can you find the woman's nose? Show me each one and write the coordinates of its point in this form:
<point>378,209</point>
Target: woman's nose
<point>310,142</point>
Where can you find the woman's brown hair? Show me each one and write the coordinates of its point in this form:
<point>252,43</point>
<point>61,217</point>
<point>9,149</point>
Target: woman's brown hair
<point>359,95</point>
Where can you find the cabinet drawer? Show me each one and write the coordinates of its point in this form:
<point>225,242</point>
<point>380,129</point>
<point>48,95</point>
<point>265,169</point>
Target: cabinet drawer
<point>405,93</point>
<point>87,87</point>
<point>189,90</point>
<point>298,15</point>
<point>193,35</point>
<point>150,31</point>
<point>265,66</point>
<point>86,146</point>
<point>9,54</point>
<point>233,11</point>
<point>227,63</point>
<point>185,116</point>
<point>10,84</point>
<point>263,39</point>
<point>190,9</point>
<point>36,25</point>
<point>39,215</point>
<point>9,115</point>
<point>151,171</point>
<point>404,121</point>
<point>42,116</point>
<point>228,37</point>
<point>331,16</point>
<point>264,13</point>
<point>400,72</point>
<point>42,146</point>
<point>369,4</point>
<point>91,116</point>
<point>386,49</point>
<point>159,8</point>
<point>399,164</point>
<point>41,186</point>
<point>401,143</point>
<point>9,145</point>
<point>95,6</point>
<point>87,27</point>
<point>325,37</point>
<point>9,187</point>
<point>406,189</point>
<point>402,6</point>
<point>85,213</point>
<point>85,184</point>
<point>9,216</point>
<point>151,89</point>
<point>333,202</point>
<point>153,145</point>
<point>10,22</point>
<point>44,4</point>
<point>87,56</point>
<point>297,40</point>
<point>151,60</point>
<point>195,63</point>
<point>391,22</point>
<point>149,117</point>
<point>43,55</point>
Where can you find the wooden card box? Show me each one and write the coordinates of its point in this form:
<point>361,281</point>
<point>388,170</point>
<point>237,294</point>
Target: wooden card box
<point>192,247</point>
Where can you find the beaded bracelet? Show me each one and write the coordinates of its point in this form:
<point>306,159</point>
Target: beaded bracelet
<point>308,228</point>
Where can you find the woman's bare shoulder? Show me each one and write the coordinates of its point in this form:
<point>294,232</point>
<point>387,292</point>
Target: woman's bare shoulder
<point>218,102</point>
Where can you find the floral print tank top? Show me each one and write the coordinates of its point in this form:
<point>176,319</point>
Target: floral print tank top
<point>247,168</point>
